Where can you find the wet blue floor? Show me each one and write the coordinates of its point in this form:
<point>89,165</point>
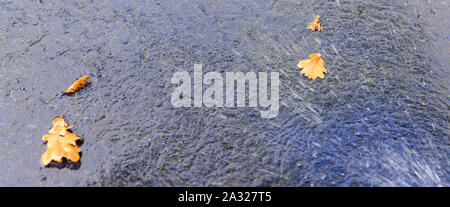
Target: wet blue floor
<point>379,118</point>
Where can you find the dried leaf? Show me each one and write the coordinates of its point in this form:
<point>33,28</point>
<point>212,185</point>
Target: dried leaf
<point>60,143</point>
<point>315,25</point>
<point>77,85</point>
<point>314,67</point>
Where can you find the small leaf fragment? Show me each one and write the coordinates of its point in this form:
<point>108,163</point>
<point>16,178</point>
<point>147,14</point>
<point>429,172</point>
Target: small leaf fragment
<point>315,25</point>
<point>77,85</point>
<point>61,143</point>
<point>59,126</point>
<point>314,67</point>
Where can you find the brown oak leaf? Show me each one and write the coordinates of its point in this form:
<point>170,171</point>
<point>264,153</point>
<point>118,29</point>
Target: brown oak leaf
<point>61,143</point>
<point>315,25</point>
<point>314,67</point>
<point>77,85</point>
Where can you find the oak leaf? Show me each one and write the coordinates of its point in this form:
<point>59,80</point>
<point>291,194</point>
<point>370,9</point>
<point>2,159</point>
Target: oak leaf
<point>314,67</point>
<point>315,25</point>
<point>61,143</point>
<point>77,85</point>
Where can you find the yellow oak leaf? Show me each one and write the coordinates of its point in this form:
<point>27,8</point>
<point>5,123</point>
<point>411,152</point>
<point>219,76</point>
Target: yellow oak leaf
<point>77,85</point>
<point>61,143</point>
<point>314,67</point>
<point>315,25</point>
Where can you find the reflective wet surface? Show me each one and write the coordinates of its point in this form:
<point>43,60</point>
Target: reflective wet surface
<point>379,118</point>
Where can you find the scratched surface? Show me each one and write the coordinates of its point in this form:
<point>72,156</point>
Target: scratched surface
<point>379,118</point>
